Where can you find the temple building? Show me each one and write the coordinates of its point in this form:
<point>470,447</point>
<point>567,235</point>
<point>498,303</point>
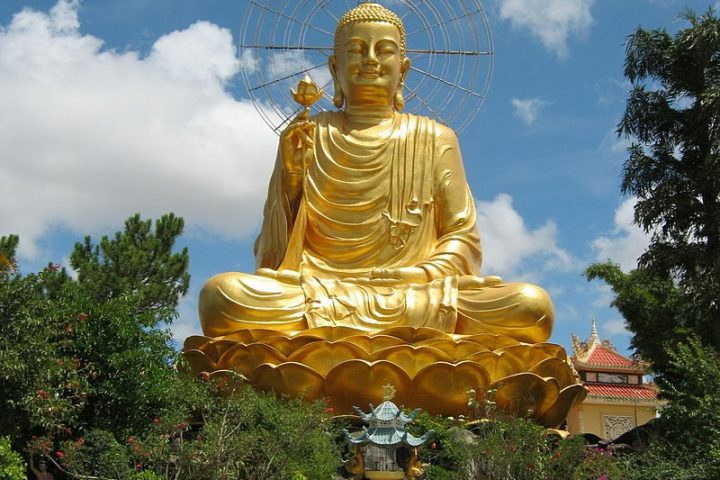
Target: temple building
<point>618,399</point>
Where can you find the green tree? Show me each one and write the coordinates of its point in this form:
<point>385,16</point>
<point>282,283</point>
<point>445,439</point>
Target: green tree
<point>12,466</point>
<point>92,353</point>
<point>671,301</point>
<point>137,260</point>
<point>650,304</point>
<point>8,246</point>
<point>673,118</point>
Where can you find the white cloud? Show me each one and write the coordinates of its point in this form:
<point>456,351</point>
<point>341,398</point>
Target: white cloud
<point>604,295</point>
<point>89,136</point>
<point>508,243</point>
<point>614,143</point>
<point>626,242</point>
<point>527,110</point>
<point>551,21</point>
<point>616,326</point>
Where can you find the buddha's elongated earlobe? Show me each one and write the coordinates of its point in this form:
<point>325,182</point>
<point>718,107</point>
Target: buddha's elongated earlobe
<point>338,98</point>
<point>399,100</point>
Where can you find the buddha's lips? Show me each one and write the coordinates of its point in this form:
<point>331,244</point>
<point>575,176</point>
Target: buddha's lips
<point>370,73</point>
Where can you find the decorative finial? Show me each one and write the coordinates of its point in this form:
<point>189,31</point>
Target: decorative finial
<point>388,392</point>
<point>594,337</point>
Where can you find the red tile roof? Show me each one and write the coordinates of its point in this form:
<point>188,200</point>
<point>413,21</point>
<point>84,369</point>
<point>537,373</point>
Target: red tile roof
<point>601,355</point>
<point>621,391</point>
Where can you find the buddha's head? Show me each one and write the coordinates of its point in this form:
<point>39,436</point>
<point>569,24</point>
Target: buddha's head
<point>369,65</point>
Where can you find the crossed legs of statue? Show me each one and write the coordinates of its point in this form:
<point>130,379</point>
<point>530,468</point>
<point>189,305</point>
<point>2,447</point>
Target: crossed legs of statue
<point>235,301</point>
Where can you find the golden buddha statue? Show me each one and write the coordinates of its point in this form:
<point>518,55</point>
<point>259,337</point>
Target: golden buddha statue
<point>368,261</point>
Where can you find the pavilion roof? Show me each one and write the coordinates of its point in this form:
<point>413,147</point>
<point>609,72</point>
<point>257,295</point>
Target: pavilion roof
<point>620,391</point>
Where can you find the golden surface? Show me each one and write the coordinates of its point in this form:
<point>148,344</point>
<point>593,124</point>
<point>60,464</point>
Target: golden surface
<point>351,367</point>
<point>369,259</point>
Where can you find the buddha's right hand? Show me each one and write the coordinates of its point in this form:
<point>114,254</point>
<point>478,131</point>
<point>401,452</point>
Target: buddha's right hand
<point>295,141</point>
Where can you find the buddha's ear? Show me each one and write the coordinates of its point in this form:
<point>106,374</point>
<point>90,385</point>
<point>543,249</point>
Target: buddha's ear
<point>404,69</point>
<point>338,98</point>
<point>332,66</point>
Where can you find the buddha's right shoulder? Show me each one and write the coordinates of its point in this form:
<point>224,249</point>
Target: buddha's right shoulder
<point>327,118</point>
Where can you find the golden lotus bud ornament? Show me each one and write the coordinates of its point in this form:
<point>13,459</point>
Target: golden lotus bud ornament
<point>307,94</point>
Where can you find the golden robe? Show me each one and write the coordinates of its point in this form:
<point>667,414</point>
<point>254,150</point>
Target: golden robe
<point>369,201</point>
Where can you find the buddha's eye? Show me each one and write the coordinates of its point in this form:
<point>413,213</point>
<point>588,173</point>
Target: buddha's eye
<point>386,48</point>
<point>354,47</point>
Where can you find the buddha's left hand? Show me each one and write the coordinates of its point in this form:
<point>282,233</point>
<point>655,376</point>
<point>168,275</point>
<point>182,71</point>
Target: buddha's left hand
<point>394,276</point>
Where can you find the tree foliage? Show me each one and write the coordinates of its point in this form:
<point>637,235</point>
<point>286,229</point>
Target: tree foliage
<point>137,261</point>
<point>77,355</point>
<point>8,246</point>
<point>671,302</point>
<point>650,304</point>
<point>87,376</point>
<point>673,118</point>
<point>12,466</point>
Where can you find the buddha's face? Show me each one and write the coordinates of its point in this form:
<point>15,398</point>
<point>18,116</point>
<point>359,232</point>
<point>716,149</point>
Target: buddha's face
<point>367,64</point>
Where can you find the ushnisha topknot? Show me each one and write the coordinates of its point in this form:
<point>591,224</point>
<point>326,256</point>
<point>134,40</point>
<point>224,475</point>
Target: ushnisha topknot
<point>372,12</point>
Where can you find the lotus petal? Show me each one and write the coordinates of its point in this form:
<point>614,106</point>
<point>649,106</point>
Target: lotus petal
<point>557,369</point>
<point>194,342</point>
<point>324,356</point>
<point>442,387</point>
<point>359,382</point>
<point>497,365</point>
<point>246,358</point>
<point>330,333</point>
<point>568,397</point>
<point>374,343</point>
<point>291,379</point>
<point>251,335</point>
<point>288,345</point>
<point>492,341</point>
<point>526,394</point>
<point>455,350</point>
<point>217,348</point>
<point>413,335</point>
<point>411,359</point>
<point>198,362</point>
<point>531,355</point>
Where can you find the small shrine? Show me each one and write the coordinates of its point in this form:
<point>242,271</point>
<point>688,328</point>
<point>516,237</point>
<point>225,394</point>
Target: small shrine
<point>618,399</point>
<point>383,449</point>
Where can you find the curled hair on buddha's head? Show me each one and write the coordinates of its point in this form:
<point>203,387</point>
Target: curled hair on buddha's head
<point>372,12</point>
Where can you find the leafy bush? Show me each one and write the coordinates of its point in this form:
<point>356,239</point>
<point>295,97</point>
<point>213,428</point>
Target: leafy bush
<point>246,434</point>
<point>12,466</point>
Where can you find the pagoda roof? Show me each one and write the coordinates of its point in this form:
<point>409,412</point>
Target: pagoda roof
<point>387,436</point>
<point>601,355</point>
<point>597,354</point>
<point>386,427</point>
<point>386,412</point>
<point>621,391</point>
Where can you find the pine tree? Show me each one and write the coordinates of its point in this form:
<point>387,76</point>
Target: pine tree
<point>136,261</point>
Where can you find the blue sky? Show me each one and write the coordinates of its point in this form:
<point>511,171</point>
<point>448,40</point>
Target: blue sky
<point>116,107</point>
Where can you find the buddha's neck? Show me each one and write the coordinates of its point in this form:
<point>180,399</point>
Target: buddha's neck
<point>359,117</point>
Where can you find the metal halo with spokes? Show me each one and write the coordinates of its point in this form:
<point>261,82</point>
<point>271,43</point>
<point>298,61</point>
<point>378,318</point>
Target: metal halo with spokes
<point>449,44</point>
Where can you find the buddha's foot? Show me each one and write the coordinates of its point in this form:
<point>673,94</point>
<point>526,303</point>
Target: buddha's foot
<point>430,369</point>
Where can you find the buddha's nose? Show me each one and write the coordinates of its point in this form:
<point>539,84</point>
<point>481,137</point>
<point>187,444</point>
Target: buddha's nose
<point>371,58</point>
